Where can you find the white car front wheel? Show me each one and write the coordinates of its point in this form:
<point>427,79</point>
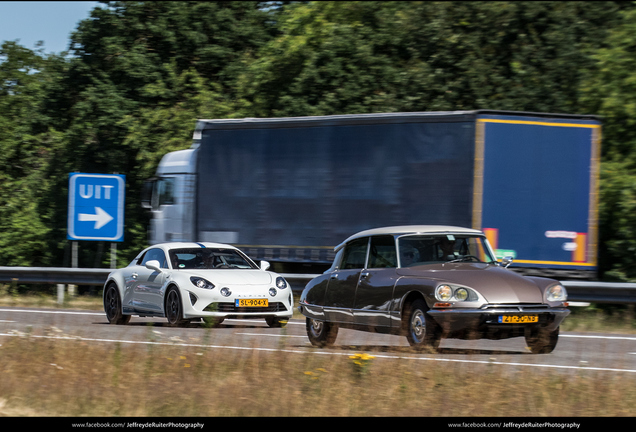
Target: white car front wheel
<point>174,308</point>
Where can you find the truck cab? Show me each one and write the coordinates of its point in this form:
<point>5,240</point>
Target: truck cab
<point>170,197</point>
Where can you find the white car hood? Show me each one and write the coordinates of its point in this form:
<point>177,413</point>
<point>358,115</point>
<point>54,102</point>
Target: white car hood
<point>235,277</point>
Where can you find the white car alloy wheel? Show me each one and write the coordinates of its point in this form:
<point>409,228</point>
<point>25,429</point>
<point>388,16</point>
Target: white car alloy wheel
<point>112,306</point>
<point>174,310</point>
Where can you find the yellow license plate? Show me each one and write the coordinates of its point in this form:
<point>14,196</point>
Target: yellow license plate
<point>251,303</point>
<point>518,319</point>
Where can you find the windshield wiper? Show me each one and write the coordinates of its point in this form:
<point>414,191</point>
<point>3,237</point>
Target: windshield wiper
<point>465,258</point>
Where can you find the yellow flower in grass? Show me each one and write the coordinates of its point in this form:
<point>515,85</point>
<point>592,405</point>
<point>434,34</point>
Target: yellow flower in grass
<point>317,374</point>
<point>361,362</point>
<point>361,357</point>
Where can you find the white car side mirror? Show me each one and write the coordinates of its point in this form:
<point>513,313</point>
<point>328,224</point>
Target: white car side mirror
<point>153,265</point>
<point>264,265</point>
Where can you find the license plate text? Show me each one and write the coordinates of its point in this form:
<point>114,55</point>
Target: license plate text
<point>518,319</point>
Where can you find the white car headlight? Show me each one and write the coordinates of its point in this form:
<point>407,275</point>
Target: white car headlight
<point>199,282</point>
<point>556,293</point>
<point>446,293</point>
<point>281,283</point>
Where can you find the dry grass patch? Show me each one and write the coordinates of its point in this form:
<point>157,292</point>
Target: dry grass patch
<point>72,378</point>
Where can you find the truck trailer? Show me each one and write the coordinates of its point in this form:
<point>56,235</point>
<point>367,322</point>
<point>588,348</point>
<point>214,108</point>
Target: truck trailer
<point>288,190</point>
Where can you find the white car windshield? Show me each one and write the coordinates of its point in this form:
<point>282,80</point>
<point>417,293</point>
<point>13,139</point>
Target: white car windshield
<point>209,258</point>
<point>429,249</point>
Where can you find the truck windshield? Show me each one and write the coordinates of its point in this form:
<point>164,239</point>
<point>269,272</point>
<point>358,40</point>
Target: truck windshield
<point>428,249</point>
<point>209,258</point>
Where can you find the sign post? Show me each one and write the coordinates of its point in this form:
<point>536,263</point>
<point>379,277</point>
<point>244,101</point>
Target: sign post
<point>95,212</point>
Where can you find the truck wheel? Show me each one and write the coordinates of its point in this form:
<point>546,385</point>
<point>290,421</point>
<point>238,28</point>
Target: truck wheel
<point>542,341</point>
<point>321,333</point>
<point>421,331</point>
<point>112,306</point>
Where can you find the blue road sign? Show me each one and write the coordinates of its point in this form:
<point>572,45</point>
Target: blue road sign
<point>96,207</point>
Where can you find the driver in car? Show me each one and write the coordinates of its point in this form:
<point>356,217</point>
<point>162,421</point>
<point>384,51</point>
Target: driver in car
<point>447,247</point>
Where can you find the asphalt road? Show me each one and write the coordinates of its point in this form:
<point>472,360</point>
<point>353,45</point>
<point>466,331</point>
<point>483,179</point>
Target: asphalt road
<point>576,352</point>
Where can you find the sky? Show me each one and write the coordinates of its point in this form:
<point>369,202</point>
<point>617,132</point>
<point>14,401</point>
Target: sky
<point>48,21</point>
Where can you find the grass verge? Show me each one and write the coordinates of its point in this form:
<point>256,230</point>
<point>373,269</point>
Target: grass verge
<point>112,380</point>
<point>43,378</point>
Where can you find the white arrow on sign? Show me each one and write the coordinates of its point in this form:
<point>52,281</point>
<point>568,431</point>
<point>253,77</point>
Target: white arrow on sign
<point>100,217</point>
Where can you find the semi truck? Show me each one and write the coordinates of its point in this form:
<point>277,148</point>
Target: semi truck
<point>288,190</point>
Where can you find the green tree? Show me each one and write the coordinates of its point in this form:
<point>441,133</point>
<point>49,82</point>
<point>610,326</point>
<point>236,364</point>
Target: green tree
<point>142,73</point>
<point>24,154</point>
<point>172,124</point>
<point>352,57</point>
<point>617,214</point>
<point>610,91</point>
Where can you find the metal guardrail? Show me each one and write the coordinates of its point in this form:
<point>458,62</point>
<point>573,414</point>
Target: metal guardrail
<point>90,276</point>
<point>54,275</point>
<point>600,292</point>
<point>578,291</point>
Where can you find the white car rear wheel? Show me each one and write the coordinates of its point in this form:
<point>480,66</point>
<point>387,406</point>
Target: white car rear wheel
<point>112,306</point>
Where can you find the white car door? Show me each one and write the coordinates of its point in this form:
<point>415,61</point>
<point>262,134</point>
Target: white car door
<point>147,283</point>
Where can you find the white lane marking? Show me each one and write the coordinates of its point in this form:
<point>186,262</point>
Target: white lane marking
<point>297,322</point>
<point>300,322</point>
<point>291,351</point>
<point>272,335</point>
<point>292,321</point>
<point>598,337</point>
<point>62,312</point>
<point>6,321</point>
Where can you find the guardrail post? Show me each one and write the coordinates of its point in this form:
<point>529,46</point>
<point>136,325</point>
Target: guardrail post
<point>14,287</point>
<point>74,254</point>
<point>113,255</point>
<point>60,293</point>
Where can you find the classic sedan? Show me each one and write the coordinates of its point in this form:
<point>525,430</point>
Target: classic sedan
<point>429,283</point>
<point>185,282</point>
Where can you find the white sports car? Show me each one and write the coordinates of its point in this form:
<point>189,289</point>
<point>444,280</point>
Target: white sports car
<point>192,281</point>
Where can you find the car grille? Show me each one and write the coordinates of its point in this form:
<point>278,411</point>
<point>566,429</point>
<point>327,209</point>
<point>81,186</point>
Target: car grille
<point>494,310</point>
<point>521,307</point>
<point>231,308</point>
